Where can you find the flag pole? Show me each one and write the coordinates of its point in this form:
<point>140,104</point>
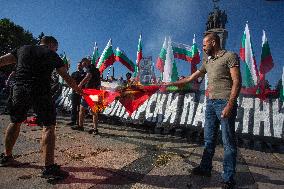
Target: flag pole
<point>113,71</point>
<point>108,71</point>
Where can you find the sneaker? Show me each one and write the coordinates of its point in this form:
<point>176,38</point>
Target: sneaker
<point>96,132</point>
<point>71,123</point>
<point>93,131</point>
<point>78,128</point>
<point>6,160</point>
<point>228,185</point>
<point>54,172</point>
<point>200,172</point>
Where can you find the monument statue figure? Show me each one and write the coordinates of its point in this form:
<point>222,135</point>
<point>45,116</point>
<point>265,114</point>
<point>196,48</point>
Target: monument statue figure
<point>223,20</point>
<point>209,23</point>
<point>216,18</point>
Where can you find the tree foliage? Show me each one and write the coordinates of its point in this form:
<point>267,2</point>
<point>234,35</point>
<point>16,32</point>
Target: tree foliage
<point>13,36</point>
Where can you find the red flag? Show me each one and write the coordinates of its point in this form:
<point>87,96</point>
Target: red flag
<point>99,99</point>
<point>132,99</point>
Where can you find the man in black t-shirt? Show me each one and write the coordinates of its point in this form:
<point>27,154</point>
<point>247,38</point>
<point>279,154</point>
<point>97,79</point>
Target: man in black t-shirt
<point>92,80</point>
<point>33,67</point>
<point>78,76</point>
<point>9,83</point>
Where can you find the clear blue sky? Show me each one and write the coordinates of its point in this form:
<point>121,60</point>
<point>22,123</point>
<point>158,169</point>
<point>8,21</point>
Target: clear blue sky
<point>78,24</point>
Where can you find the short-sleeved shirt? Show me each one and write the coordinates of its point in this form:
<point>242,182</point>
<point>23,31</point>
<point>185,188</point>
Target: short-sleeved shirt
<point>78,76</point>
<point>95,81</point>
<point>34,66</point>
<point>218,71</point>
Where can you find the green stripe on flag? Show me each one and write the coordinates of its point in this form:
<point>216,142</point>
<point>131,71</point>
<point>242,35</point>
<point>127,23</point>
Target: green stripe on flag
<point>265,51</point>
<point>163,54</point>
<point>125,58</point>
<point>106,55</point>
<point>243,41</point>
<point>182,51</point>
<point>247,77</point>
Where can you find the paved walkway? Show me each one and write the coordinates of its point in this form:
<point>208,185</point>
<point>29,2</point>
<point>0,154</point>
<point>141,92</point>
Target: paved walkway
<point>127,157</point>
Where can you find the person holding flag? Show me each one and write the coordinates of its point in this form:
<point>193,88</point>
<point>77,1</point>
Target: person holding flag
<point>78,76</point>
<point>92,80</point>
<point>224,84</point>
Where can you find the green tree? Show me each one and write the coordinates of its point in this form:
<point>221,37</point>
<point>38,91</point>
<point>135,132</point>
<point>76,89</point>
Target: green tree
<point>13,36</point>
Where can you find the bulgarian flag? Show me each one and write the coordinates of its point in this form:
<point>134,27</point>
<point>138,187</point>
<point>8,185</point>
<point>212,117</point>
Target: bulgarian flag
<point>107,58</point>
<point>187,53</point>
<point>182,51</point>
<point>250,76</point>
<point>195,55</point>
<point>96,56</point>
<point>120,56</point>
<point>170,73</point>
<point>266,62</point>
<point>162,57</point>
<point>174,76</point>
<point>139,55</point>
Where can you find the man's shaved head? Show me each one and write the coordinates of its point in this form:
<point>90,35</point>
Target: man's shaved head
<point>213,36</point>
<point>211,44</point>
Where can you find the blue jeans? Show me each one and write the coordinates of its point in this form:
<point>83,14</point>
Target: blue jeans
<point>214,108</point>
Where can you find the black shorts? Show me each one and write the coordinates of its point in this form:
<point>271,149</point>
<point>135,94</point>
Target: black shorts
<point>25,98</point>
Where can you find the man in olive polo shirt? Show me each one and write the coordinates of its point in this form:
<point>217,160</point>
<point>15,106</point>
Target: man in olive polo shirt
<point>224,83</point>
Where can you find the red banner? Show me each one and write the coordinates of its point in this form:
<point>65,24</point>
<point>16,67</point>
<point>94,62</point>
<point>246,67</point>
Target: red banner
<point>131,98</point>
<point>99,99</point>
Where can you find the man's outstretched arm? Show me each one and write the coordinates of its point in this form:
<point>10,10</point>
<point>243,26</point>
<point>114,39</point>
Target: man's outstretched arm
<point>188,79</point>
<point>7,59</point>
<point>85,80</point>
<point>69,80</point>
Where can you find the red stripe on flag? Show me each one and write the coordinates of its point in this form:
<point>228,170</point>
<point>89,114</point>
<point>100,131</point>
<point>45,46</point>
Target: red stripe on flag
<point>109,61</point>
<point>119,59</point>
<point>242,54</point>
<point>266,64</point>
<point>160,64</point>
<point>195,59</point>
<point>139,57</point>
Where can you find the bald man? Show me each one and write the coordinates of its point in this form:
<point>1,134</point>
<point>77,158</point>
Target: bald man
<point>224,82</point>
<point>33,68</point>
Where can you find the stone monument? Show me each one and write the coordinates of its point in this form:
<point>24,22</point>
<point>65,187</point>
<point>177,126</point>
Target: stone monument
<point>216,23</point>
<point>146,75</point>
